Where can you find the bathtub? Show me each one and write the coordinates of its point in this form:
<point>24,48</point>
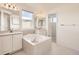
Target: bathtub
<point>36,44</point>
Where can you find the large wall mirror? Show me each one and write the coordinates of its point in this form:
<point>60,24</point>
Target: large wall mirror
<point>4,21</point>
<point>9,20</point>
<point>14,22</point>
<point>40,22</point>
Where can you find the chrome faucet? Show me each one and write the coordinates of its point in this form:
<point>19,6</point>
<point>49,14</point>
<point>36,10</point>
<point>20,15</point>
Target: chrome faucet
<point>11,30</point>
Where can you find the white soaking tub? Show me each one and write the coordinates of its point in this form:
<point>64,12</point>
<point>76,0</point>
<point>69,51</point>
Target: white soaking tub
<point>36,44</point>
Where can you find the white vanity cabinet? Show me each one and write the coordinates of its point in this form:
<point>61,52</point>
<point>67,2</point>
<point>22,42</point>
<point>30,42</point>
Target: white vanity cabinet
<point>6,43</point>
<point>17,42</point>
<point>10,42</point>
<point>0,45</point>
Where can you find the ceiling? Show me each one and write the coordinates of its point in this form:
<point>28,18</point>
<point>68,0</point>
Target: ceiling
<point>44,7</point>
<point>40,6</point>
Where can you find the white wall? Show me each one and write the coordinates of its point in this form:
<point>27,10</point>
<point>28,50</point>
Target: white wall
<point>68,26</point>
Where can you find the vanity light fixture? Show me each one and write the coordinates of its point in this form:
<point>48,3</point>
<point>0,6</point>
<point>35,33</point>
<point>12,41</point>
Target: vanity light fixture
<point>9,6</point>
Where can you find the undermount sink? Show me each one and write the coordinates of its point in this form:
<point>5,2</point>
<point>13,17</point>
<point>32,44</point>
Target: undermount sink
<point>9,32</point>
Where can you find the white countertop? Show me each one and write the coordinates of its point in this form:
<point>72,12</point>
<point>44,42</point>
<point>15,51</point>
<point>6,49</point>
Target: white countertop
<point>9,33</point>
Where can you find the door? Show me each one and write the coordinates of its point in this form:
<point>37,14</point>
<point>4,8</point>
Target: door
<point>17,42</point>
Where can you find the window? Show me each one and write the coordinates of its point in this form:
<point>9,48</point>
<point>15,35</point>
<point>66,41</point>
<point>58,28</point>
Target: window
<point>54,19</point>
<point>27,18</point>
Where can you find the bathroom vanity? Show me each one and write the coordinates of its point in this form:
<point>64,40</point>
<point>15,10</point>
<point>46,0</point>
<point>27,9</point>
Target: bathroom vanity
<point>10,42</point>
<point>9,21</point>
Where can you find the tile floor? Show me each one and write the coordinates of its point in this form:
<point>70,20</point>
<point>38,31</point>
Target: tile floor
<point>55,50</point>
